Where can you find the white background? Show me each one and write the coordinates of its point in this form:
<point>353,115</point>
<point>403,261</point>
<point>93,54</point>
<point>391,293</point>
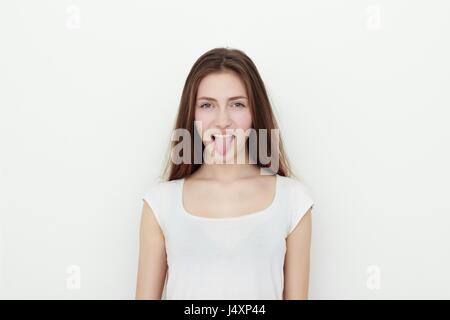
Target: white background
<point>89,92</point>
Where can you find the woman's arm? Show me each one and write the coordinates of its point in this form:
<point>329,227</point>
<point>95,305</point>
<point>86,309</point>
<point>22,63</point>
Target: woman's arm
<point>296,265</point>
<point>152,257</point>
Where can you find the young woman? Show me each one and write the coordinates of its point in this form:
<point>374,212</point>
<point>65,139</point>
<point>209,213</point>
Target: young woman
<point>224,224</point>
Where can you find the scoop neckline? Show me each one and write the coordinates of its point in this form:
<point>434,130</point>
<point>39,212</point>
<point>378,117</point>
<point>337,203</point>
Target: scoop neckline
<point>241,217</point>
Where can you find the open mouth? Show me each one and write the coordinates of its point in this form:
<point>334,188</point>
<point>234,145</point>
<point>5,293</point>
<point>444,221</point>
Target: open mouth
<point>222,142</point>
<point>215,136</point>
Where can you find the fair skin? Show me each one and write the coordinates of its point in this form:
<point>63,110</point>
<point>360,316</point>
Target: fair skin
<point>234,189</point>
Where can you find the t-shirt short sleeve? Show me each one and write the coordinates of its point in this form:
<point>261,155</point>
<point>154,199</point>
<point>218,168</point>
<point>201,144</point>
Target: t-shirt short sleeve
<point>153,198</point>
<point>301,201</point>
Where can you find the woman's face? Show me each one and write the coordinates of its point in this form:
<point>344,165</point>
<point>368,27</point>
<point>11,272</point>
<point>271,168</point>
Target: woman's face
<point>222,115</point>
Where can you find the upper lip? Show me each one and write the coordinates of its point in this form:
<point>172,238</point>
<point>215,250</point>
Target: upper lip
<point>222,134</point>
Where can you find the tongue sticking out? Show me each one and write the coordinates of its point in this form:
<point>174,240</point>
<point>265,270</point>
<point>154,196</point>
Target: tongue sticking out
<point>222,144</point>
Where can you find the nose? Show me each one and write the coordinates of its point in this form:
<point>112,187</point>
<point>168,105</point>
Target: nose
<point>223,120</point>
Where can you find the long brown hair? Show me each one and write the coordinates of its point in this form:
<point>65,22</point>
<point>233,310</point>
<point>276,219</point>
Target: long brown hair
<point>215,60</point>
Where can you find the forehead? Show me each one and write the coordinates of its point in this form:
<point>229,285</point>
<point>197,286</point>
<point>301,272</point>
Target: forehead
<point>221,84</point>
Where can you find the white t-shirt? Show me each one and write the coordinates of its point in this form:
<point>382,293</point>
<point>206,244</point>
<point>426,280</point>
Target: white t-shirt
<point>227,258</point>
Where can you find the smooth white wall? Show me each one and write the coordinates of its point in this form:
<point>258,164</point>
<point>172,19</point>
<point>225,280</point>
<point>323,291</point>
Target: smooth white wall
<point>88,96</point>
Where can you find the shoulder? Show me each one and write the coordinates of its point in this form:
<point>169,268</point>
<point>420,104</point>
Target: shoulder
<point>159,197</point>
<point>299,200</point>
<point>160,187</point>
<point>295,187</point>
<point>160,193</point>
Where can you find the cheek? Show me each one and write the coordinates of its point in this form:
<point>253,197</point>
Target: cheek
<point>204,116</point>
<point>243,119</point>
<point>204,119</point>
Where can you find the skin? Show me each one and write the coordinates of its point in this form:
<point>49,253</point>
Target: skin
<point>234,189</point>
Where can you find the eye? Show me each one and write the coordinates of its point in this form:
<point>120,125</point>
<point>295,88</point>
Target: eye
<point>240,105</point>
<point>205,106</point>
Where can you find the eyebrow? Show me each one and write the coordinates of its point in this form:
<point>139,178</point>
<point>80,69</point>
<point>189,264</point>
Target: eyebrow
<point>229,99</point>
